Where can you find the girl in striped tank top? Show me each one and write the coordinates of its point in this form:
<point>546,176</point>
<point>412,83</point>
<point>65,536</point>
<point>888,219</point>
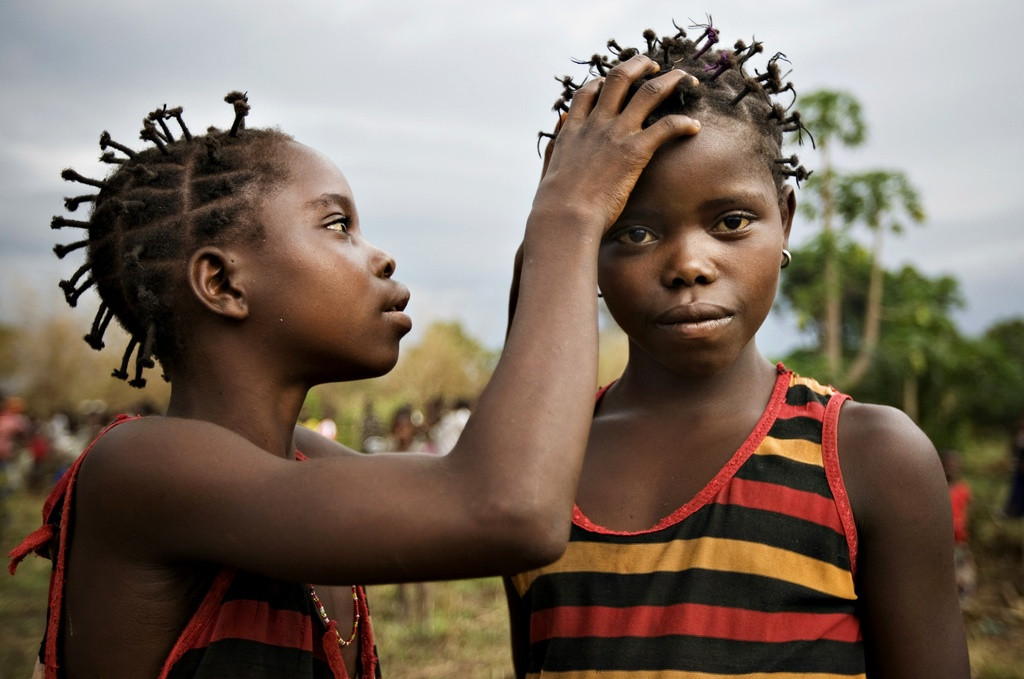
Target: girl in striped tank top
<point>196,545</point>
<point>734,519</point>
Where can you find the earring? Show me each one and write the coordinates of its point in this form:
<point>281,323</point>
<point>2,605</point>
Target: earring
<point>787,259</point>
<point>599,293</point>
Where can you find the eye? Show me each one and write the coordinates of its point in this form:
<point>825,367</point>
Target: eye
<point>636,235</point>
<point>731,223</point>
<point>339,224</point>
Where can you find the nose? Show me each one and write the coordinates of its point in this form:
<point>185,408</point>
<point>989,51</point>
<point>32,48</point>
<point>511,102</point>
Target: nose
<point>383,263</point>
<point>689,260</point>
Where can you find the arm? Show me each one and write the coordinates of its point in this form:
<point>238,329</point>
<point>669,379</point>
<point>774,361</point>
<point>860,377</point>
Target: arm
<point>501,501</point>
<point>913,627</point>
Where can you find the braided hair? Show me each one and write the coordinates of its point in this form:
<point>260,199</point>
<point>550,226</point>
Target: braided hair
<point>153,210</point>
<point>726,89</point>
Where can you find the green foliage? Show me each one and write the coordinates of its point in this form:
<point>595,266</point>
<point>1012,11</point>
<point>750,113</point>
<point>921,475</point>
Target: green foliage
<point>878,199</point>
<point>833,115</point>
<point>802,288</point>
<point>989,378</point>
<point>954,386</point>
<point>44,360</point>
<point>447,362</point>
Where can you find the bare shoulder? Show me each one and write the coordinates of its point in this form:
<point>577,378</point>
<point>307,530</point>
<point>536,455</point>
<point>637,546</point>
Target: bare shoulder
<point>156,484</point>
<point>912,624</point>
<point>166,442</point>
<point>885,459</point>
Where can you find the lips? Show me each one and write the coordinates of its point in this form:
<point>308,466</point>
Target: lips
<point>394,312</point>
<point>698,312</point>
<point>399,301</point>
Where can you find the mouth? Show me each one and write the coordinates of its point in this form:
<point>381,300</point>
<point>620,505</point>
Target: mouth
<point>399,302</point>
<point>695,320</point>
<point>694,314</point>
<point>394,312</point>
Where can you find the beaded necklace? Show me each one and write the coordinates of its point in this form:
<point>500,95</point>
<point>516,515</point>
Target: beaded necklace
<point>327,621</point>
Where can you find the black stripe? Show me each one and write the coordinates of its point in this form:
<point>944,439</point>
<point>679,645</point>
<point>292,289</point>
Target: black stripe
<point>800,394</point>
<point>740,523</point>
<point>244,659</point>
<point>777,530</point>
<point>800,427</point>
<point>695,586</point>
<point>785,471</point>
<point>278,594</point>
<point>683,653</point>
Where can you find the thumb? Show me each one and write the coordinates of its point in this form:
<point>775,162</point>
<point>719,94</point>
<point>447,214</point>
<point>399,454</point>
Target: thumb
<point>551,146</point>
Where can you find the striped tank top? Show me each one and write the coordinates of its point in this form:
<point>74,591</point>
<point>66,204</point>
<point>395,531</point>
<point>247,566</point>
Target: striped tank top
<point>753,578</point>
<point>247,625</point>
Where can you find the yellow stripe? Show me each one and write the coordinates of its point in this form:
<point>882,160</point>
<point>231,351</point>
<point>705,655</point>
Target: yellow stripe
<point>680,674</point>
<point>799,450</point>
<point>718,554</point>
<point>812,384</point>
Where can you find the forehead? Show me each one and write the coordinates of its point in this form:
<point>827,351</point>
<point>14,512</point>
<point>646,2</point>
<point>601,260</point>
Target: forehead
<point>312,186</point>
<point>723,155</point>
<point>311,173</point>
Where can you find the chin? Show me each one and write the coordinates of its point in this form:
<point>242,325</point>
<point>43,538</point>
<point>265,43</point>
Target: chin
<point>379,368</point>
<point>351,371</point>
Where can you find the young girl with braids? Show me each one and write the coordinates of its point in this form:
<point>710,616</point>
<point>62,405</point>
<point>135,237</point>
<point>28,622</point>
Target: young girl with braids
<point>197,544</point>
<point>734,519</point>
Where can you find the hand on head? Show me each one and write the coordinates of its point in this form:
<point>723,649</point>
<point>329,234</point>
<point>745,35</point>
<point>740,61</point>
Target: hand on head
<point>601,144</point>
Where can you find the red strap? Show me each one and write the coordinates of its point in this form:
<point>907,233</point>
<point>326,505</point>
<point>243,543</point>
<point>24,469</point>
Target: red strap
<point>34,542</point>
<point>44,537</point>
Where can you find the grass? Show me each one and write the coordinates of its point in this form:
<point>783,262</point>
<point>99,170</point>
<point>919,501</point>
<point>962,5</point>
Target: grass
<point>465,633</point>
<point>465,630</point>
<point>23,598</point>
<point>995,615</point>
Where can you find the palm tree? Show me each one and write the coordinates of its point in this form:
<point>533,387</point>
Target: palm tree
<point>831,116</point>
<point>879,199</point>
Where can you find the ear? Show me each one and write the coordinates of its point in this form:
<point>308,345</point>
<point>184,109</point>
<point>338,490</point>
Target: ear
<point>213,276</point>
<point>787,208</point>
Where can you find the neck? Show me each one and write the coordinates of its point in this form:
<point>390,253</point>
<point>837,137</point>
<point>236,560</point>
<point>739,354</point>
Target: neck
<point>648,385</point>
<point>253,406</point>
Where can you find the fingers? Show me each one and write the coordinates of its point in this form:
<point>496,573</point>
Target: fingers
<point>551,145</point>
<point>671,127</point>
<point>654,92</point>
<point>610,92</point>
<point>606,97</point>
<point>603,142</point>
<point>619,79</point>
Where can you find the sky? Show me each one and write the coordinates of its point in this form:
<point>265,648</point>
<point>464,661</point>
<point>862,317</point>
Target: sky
<point>432,109</point>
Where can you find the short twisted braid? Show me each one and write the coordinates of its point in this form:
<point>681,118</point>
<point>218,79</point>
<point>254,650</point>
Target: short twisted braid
<point>726,89</point>
<point>153,211</point>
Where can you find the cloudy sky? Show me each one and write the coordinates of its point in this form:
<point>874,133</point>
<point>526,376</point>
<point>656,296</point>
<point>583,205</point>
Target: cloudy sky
<point>432,110</point>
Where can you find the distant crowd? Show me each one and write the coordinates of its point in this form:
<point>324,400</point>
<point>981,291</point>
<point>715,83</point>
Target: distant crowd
<point>432,429</point>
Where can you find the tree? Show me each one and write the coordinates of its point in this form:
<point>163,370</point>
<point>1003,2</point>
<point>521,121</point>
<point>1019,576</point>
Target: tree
<point>831,116</point>
<point>447,362</point>
<point>881,200</point>
<point>918,342</point>
<point>991,379</point>
<point>46,362</point>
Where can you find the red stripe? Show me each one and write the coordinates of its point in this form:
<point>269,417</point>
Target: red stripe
<point>775,498</point>
<point>691,620</point>
<point>811,409</point>
<point>257,621</point>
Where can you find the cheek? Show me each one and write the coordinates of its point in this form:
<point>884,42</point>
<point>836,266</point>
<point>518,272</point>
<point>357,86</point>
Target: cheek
<point>763,281</point>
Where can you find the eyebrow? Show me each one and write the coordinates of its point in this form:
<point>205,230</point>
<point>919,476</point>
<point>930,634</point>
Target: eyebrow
<point>733,198</point>
<point>329,200</point>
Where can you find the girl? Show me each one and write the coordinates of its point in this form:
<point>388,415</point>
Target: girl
<point>185,545</point>
<point>734,519</point>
